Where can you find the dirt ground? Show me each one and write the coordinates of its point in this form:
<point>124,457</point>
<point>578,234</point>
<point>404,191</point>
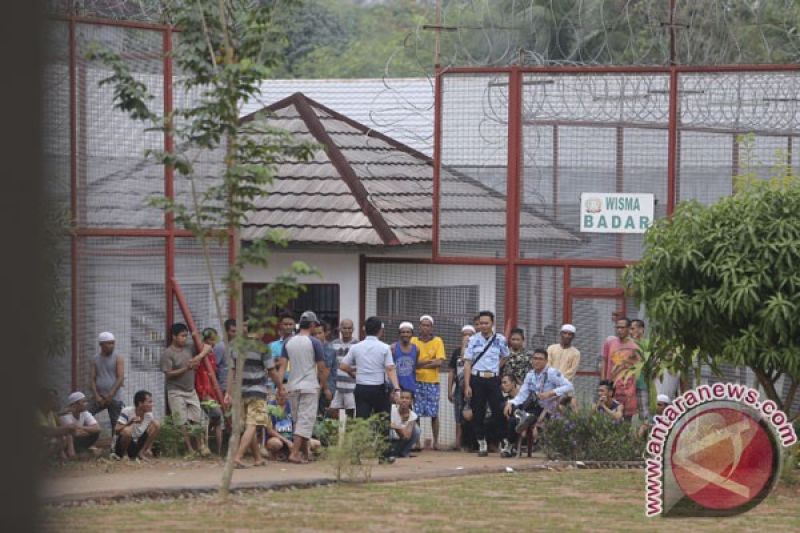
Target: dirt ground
<point>103,479</point>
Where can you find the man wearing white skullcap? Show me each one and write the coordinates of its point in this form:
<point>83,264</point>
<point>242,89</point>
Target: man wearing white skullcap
<point>107,378</point>
<point>563,356</point>
<point>405,354</point>
<point>432,356</point>
<point>84,428</point>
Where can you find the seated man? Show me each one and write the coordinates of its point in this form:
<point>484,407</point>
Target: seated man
<point>137,428</point>
<point>405,432</point>
<point>662,401</point>
<point>47,423</point>
<point>85,430</point>
<point>606,404</point>
<point>539,394</point>
<point>280,434</point>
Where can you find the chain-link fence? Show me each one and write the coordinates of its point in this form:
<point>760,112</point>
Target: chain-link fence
<point>120,252</point>
<point>537,138</point>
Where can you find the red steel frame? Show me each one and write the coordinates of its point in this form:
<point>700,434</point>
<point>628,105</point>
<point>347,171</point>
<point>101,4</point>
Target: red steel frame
<point>169,232</point>
<point>512,259</point>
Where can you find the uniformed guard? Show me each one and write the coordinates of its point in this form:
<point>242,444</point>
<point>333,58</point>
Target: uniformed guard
<point>544,381</point>
<point>482,377</point>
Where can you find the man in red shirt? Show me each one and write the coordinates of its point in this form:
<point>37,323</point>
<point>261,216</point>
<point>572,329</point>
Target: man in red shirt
<point>620,353</point>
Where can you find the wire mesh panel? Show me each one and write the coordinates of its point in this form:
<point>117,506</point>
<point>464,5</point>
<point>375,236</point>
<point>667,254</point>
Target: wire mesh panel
<point>191,272</point>
<point>541,304</point>
<point>56,115</point>
<point>115,181</point>
<point>453,295</point>
<point>600,133</point>
<point>474,159</point>
<point>592,317</point>
<point>122,291</point>
<point>733,124</point>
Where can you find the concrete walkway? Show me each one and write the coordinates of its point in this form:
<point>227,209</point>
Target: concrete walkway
<point>119,481</point>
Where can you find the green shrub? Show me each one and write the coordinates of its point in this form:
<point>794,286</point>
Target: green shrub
<point>590,436</point>
<point>170,438</point>
<point>352,455</point>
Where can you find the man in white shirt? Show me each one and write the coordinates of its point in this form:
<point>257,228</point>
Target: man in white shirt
<point>405,432</point>
<point>369,362</point>
<point>86,428</point>
<point>137,428</point>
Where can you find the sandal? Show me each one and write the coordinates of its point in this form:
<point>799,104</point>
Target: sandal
<point>240,466</point>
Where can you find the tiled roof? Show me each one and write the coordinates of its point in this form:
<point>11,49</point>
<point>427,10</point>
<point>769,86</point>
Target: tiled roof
<point>401,108</point>
<point>365,188</point>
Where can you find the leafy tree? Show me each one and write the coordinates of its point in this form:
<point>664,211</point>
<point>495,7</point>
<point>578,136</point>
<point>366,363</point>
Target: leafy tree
<point>225,50</point>
<point>724,280</point>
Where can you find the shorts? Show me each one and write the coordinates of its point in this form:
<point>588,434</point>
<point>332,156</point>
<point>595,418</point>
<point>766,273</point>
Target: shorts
<point>134,447</point>
<point>254,411</point>
<point>214,414</point>
<point>85,442</point>
<point>304,409</point>
<point>344,400</point>
<point>185,407</point>
<point>114,410</point>
<point>426,400</point>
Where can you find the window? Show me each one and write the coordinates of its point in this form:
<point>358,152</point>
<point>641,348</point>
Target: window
<point>322,298</point>
<point>451,308</point>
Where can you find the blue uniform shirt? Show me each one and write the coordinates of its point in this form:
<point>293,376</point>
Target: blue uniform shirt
<point>546,380</point>
<point>490,362</point>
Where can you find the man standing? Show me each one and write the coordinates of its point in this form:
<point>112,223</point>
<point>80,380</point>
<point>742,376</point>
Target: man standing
<point>482,377</point>
<point>619,355</point>
<point>322,334</point>
<point>137,428</point>
<point>84,429</point>
<point>179,368</point>
<point>219,353</point>
<point>544,382</point>
<point>518,362</point>
<point>404,431</point>
<point>563,356</point>
<point>431,356</point>
<point>108,375</point>
<point>309,374</point>
<point>455,383</point>
<point>345,384</point>
<point>405,354</point>
<point>257,365</point>
<point>286,325</point>
<point>368,362</point>
<point>642,390</point>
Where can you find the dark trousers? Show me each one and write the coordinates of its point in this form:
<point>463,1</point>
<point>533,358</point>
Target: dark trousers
<point>485,390</point>
<point>371,399</point>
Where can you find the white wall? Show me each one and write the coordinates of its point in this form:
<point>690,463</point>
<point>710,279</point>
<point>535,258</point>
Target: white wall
<point>335,267</point>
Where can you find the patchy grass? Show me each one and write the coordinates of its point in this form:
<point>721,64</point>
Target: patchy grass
<point>575,500</point>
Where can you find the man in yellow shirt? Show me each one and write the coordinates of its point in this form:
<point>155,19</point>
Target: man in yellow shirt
<point>563,356</point>
<point>431,357</point>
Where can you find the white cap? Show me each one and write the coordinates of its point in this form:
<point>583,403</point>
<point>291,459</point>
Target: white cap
<point>662,398</point>
<point>568,327</point>
<point>75,397</point>
<point>405,325</point>
<point>106,337</point>
<point>309,316</point>
<point>467,328</point>
<point>426,317</point>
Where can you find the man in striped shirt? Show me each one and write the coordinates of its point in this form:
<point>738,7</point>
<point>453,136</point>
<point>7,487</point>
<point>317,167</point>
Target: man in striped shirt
<point>254,399</point>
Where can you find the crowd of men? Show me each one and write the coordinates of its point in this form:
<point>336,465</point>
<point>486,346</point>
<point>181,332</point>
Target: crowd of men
<point>499,390</point>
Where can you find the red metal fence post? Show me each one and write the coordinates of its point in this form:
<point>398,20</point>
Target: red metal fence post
<point>437,161</point>
<point>73,204</point>
<point>169,181</point>
<point>514,175</point>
